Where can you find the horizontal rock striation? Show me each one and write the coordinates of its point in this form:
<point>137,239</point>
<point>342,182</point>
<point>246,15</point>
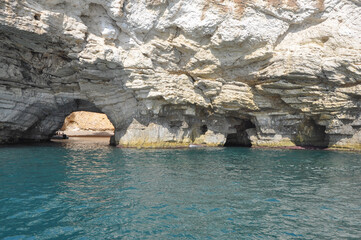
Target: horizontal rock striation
<point>170,73</point>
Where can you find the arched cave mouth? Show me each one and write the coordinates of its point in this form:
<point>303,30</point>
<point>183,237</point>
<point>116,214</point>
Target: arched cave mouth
<point>85,124</point>
<point>311,135</point>
<point>238,136</point>
<point>51,119</point>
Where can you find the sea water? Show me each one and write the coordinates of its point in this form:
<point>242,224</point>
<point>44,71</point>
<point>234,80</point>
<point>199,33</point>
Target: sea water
<point>94,191</point>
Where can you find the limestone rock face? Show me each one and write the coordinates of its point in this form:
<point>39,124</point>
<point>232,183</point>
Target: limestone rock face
<point>87,124</point>
<point>180,72</point>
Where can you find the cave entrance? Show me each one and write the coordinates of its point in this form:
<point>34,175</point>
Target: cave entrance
<point>310,134</point>
<point>81,125</point>
<point>49,120</point>
<point>238,136</point>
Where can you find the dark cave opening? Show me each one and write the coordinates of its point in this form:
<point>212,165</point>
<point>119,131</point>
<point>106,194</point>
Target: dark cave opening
<point>37,16</point>
<point>239,136</point>
<point>311,135</point>
<point>204,129</point>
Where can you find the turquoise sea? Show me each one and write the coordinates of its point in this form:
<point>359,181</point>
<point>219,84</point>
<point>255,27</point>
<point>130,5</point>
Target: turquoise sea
<point>94,191</point>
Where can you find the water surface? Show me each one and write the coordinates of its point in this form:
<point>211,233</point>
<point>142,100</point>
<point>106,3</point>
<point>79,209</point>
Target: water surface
<point>93,191</point>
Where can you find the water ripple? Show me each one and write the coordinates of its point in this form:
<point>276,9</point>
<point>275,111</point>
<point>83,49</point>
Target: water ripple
<point>98,192</point>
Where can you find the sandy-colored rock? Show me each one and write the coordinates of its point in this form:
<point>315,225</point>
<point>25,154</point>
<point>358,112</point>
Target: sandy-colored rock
<point>174,73</point>
<point>87,124</point>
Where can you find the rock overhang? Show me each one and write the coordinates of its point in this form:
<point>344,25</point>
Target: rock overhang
<point>162,69</point>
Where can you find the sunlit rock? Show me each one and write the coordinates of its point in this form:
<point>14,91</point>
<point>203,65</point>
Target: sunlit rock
<point>163,71</point>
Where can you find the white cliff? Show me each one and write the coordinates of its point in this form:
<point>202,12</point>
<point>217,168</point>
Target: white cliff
<point>175,72</point>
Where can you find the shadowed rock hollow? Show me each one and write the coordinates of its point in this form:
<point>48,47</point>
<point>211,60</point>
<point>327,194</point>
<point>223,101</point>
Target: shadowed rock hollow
<point>173,73</point>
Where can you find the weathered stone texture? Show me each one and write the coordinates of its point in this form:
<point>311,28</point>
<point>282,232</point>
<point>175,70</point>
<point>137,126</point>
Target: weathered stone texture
<point>87,124</point>
<point>180,72</point>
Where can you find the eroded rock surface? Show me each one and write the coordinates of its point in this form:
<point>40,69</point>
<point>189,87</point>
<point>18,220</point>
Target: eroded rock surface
<point>180,72</point>
<point>87,124</point>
